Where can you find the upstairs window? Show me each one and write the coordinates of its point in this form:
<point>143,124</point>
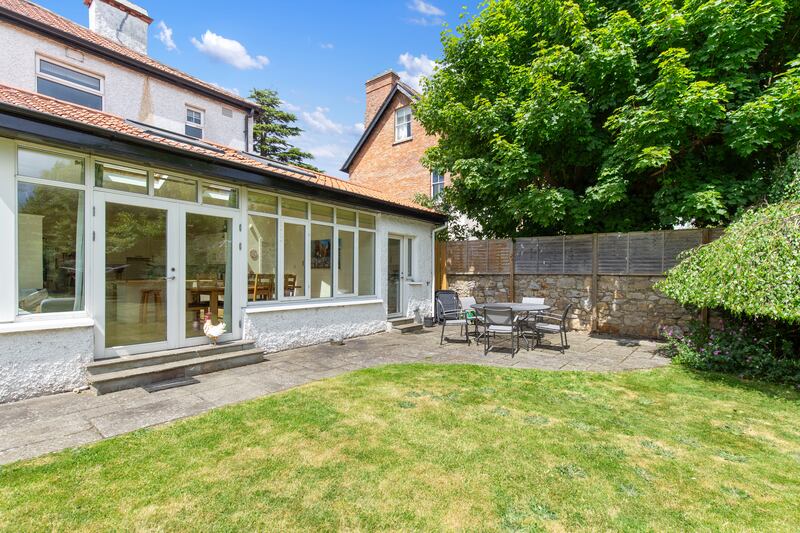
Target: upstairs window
<point>66,83</point>
<point>402,124</point>
<point>437,183</point>
<point>194,123</point>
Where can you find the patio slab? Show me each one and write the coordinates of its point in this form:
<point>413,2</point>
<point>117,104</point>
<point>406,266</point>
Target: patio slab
<point>41,425</point>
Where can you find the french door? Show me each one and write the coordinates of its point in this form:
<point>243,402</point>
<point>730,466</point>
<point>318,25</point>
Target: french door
<point>397,272</point>
<point>165,269</point>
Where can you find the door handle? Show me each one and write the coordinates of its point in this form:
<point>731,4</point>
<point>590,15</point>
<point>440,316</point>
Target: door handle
<point>168,278</point>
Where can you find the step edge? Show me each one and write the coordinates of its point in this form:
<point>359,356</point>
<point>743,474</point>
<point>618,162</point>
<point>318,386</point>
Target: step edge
<point>103,363</point>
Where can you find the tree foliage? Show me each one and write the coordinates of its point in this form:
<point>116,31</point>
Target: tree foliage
<point>602,115</point>
<point>272,129</point>
<point>752,270</point>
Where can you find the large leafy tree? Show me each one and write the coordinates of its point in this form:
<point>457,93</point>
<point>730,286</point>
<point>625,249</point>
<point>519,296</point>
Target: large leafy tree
<point>602,115</point>
<point>272,129</point>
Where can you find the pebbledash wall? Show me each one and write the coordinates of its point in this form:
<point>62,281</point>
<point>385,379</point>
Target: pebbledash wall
<point>627,305</point>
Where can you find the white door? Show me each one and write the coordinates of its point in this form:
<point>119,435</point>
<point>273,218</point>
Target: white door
<point>164,268</point>
<point>397,273</point>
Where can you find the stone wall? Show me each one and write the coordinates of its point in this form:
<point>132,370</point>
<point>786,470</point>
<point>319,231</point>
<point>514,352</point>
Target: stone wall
<point>626,305</point>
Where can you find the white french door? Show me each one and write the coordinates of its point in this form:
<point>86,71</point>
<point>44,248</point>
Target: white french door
<point>164,269</point>
<point>397,273</point>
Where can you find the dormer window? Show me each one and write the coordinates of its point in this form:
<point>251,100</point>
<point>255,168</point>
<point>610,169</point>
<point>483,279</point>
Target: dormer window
<point>69,84</point>
<point>402,124</point>
<point>194,123</point>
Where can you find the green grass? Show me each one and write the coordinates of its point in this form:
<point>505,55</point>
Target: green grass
<point>441,447</point>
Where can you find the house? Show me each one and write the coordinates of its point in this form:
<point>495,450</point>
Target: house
<point>133,212</point>
<point>387,156</point>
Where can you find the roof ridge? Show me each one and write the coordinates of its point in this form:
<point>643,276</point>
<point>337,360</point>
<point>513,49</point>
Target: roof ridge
<point>77,31</point>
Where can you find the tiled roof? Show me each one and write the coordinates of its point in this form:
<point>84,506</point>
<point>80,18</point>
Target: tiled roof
<point>46,17</point>
<point>116,124</point>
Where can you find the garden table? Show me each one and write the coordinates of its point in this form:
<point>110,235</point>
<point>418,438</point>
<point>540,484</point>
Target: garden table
<point>516,308</point>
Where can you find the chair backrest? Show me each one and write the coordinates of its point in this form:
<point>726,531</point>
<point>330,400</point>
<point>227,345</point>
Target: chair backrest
<point>447,304</point>
<point>532,300</point>
<point>498,315</point>
<point>564,316</point>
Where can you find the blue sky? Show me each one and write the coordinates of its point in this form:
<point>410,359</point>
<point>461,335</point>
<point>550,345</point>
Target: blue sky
<point>316,54</point>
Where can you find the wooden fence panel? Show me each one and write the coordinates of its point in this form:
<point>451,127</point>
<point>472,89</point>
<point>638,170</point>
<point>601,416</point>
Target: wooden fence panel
<point>551,255</point>
<point>499,256</point>
<point>578,254</point>
<point>457,256</point>
<point>646,252</point>
<point>612,253</point>
<point>477,256</point>
<point>678,241</point>
<point>526,258</point>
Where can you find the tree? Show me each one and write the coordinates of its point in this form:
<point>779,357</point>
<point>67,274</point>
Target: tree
<point>606,115</point>
<point>272,129</point>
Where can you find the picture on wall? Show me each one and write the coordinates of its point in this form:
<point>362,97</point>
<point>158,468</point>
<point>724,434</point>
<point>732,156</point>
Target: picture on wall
<point>321,253</point>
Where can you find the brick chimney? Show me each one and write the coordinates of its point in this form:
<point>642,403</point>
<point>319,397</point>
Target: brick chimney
<point>378,88</point>
<point>121,21</point>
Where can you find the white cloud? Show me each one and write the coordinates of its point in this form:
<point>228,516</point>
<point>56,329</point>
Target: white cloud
<point>319,121</point>
<point>165,35</point>
<point>229,51</point>
<point>358,127</point>
<point>425,8</point>
<point>233,90</point>
<point>416,68</point>
<point>288,106</point>
<point>326,46</point>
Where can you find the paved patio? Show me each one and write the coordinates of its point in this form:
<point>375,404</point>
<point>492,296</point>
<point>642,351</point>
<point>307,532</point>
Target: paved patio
<point>33,427</point>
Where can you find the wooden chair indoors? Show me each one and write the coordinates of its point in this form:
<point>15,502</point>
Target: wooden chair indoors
<point>289,284</point>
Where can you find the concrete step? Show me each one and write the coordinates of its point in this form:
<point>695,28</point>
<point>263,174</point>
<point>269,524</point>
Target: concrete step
<point>408,328</point>
<point>167,356</point>
<point>401,321</point>
<point>137,377</point>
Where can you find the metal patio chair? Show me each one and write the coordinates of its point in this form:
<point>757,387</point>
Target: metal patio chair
<point>472,316</point>
<point>500,320</point>
<point>528,322</point>
<point>450,313</point>
<point>549,323</point>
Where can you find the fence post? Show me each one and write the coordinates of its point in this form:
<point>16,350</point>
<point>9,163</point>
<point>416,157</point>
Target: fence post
<point>595,288</point>
<point>441,265</point>
<point>512,271</point>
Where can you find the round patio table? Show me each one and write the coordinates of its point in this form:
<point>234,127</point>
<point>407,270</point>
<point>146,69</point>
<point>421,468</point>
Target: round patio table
<point>517,308</point>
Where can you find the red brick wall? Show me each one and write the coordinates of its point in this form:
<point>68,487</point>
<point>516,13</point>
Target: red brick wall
<point>394,168</point>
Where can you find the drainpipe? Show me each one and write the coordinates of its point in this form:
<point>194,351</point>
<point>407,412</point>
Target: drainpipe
<point>433,263</point>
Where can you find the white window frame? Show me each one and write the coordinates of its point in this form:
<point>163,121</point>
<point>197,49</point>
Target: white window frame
<point>201,126</point>
<point>71,85</point>
<point>307,222</point>
<point>436,182</point>
<point>406,115</point>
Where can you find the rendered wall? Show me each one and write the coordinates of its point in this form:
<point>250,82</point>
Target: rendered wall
<point>34,363</point>
<point>127,93</point>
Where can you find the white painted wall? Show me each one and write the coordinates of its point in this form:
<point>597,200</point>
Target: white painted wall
<point>34,363</point>
<point>128,93</point>
<point>283,329</point>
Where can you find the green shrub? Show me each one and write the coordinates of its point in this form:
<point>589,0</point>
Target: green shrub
<point>751,348</point>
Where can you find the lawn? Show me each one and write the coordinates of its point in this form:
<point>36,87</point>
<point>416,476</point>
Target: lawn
<point>431,447</point>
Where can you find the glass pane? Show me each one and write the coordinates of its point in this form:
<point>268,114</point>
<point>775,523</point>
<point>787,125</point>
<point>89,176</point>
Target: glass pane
<point>262,258</point>
<point>79,78</point>
<point>48,166</point>
<point>366,263</point>
<point>293,208</point>
<point>219,195</point>
<point>209,248</point>
<point>294,259</point>
<point>346,262</point>
<point>175,187</point>
<point>409,259</point>
<point>136,268</point>
<point>192,131</point>
<point>50,250</point>
<point>366,221</point>
<point>263,203</point>
<point>346,217</point>
<point>68,94</point>
<point>321,213</point>
<point>393,296</point>
<point>321,268</point>
<point>120,178</point>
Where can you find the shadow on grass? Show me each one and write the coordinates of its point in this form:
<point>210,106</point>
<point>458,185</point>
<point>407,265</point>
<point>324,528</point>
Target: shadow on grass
<point>772,390</point>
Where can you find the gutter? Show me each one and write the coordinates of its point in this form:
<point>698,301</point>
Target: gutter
<point>16,19</point>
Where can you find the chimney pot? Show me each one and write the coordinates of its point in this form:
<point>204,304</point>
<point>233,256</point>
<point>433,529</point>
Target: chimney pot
<point>121,21</point>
